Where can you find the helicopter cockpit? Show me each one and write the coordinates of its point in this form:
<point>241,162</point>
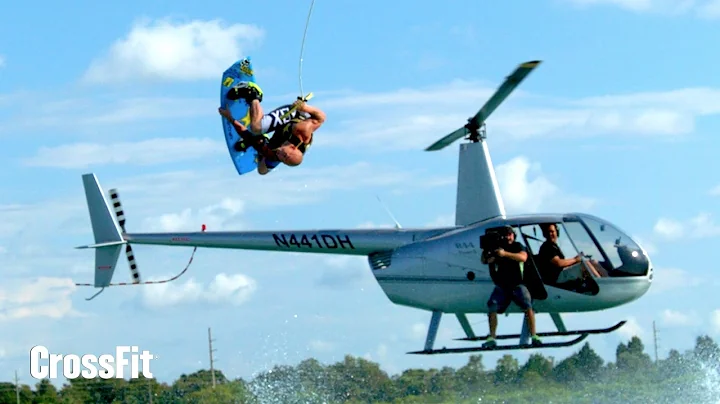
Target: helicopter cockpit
<point>606,251</point>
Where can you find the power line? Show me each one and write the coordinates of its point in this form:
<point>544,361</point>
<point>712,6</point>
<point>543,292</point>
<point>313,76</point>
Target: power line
<point>212,360</point>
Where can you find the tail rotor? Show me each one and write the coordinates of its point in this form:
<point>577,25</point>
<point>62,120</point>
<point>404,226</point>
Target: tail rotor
<point>110,236</point>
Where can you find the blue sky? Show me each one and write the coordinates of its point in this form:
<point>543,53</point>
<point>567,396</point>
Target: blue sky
<point>619,121</point>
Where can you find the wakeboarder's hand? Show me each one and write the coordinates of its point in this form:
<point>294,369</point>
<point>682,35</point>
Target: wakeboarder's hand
<point>299,105</point>
<point>226,113</point>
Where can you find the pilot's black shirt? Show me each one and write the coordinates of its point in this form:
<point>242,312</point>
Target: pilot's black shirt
<point>548,251</point>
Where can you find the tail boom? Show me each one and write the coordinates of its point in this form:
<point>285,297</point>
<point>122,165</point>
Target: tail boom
<point>339,242</point>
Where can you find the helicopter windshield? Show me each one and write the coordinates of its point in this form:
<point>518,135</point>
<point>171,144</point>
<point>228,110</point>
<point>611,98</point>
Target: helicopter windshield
<point>613,249</point>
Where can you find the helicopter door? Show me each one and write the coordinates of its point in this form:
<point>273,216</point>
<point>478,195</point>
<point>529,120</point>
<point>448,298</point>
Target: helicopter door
<point>574,277</point>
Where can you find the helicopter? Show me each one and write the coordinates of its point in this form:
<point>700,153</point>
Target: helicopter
<point>438,270</point>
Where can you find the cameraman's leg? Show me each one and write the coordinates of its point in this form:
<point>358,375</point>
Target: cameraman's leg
<point>521,296</point>
<point>498,303</point>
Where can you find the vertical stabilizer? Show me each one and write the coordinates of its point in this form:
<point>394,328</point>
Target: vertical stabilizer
<point>108,238</point>
<point>478,193</point>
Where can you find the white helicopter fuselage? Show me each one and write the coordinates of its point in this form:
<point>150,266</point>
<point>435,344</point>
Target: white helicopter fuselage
<point>445,273</point>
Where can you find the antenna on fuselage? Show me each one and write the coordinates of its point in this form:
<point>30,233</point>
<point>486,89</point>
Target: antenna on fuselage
<point>397,224</point>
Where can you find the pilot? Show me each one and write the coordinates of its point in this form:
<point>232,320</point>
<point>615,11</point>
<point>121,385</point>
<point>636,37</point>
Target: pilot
<point>552,260</point>
<point>506,271</point>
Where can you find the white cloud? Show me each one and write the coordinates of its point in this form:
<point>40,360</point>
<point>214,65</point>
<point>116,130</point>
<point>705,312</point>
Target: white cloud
<point>224,289</point>
<point>715,321</point>
<point>710,10</point>
<point>2,61</point>
<point>214,216</point>
<point>146,152</point>
<point>680,319</point>
<point>632,328</point>
<point>113,113</point>
<point>321,346</point>
<point>646,245</point>
<point>408,120</point>
<point>521,194</point>
<point>662,6</point>
<point>41,297</point>
<point>155,193</point>
<point>634,5</point>
<point>165,49</point>
<point>700,226</point>
<point>668,228</point>
<point>666,279</point>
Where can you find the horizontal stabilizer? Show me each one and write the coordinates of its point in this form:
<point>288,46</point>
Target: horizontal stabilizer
<point>99,245</point>
<point>105,263</point>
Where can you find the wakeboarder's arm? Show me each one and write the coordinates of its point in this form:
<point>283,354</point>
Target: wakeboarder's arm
<point>257,142</point>
<point>262,167</point>
<point>317,117</point>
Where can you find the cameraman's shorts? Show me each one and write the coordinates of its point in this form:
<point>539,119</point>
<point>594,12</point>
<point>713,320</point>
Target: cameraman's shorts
<point>501,298</point>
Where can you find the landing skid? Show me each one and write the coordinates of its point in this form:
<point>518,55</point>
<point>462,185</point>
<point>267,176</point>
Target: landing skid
<point>551,334</point>
<point>524,336</point>
<point>501,347</point>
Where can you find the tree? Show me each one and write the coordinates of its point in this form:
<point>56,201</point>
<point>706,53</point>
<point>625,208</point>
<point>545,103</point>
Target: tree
<point>631,358</point>
<point>506,370</point>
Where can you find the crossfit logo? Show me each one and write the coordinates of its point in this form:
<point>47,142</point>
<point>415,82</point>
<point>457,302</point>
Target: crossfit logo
<point>44,364</point>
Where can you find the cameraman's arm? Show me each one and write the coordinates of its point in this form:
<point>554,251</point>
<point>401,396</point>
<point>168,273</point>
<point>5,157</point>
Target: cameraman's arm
<point>487,258</point>
<point>518,256</point>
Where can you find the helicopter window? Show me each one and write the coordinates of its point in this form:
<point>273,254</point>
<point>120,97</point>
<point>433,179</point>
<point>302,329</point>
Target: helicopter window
<point>530,233</point>
<point>624,254</point>
<point>581,240</point>
<point>535,238</point>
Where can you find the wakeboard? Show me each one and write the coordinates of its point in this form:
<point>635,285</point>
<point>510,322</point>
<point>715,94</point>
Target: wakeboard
<point>245,161</point>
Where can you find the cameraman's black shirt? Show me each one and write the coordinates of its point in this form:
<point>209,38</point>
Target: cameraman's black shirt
<point>505,272</point>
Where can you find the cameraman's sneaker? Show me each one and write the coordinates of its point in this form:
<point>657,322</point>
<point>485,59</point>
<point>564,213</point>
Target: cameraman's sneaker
<point>490,343</point>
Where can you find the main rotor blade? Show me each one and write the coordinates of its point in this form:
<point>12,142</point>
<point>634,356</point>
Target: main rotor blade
<point>507,87</point>
<point>447,140</point>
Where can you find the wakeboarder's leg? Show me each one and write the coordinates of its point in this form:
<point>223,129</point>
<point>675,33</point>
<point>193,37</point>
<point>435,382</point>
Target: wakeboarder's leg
<point>256,117</point>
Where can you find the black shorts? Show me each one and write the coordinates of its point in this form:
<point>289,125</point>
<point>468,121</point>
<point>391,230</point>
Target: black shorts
<point>501,299</point>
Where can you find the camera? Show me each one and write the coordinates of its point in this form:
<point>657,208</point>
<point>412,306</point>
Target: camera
<point>491,241</point>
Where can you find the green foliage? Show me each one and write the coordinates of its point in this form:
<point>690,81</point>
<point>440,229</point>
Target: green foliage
<point>583,377</point>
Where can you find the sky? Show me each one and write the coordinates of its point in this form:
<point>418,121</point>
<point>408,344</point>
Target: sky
<point>619,121</point>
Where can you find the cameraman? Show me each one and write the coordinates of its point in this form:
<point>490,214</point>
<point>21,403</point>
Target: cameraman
<point>506,270</point>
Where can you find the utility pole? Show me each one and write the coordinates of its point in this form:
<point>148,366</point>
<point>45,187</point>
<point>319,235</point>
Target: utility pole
<point>150,392</point>
<point>212,361</point>
<point>655,341</point>
<point>17,389</point>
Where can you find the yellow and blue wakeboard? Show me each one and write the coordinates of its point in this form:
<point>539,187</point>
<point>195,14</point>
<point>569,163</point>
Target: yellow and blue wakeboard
<point>242,70</point>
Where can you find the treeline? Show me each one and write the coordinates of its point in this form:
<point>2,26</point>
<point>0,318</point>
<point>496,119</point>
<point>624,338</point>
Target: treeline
<point>633,377</point>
